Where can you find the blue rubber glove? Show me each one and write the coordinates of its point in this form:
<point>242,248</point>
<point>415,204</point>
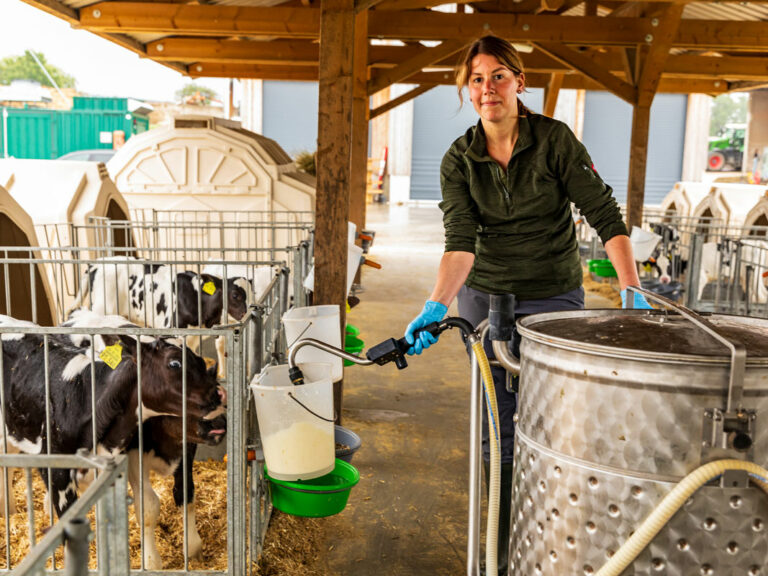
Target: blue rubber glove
<point>640,302</point>
<point>432,312</point>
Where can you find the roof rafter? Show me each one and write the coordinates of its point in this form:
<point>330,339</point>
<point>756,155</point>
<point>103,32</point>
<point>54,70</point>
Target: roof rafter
<point>657,55</point>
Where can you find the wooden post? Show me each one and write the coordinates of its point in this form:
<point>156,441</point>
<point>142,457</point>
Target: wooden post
<point>359,158</point>
<point>638,158</point>
<point>551,92</point>
<point>337,32</point>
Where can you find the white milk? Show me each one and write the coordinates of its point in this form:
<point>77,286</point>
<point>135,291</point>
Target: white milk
<point>302,451</point>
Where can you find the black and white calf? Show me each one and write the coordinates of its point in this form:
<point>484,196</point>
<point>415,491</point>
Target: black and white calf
<point>163,450</point>
<point>151,295</point>
<point>117,401</point>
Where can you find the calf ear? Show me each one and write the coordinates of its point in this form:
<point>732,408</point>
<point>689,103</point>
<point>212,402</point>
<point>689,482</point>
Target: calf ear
<point>110,339</point>
<point>129,344</point>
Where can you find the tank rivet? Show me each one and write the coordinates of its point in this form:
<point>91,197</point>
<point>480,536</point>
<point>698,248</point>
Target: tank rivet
<point>591,528</point>
<point>757,525</point>
<point>573,499</point>
<point>609,553</point>
<point>538,568</point>
<point>754,571</point>
<point>542,486</point>
<point>555,513</point>
<point>519,554</point>
<point>522,474</point>
<point>592,482</point>
<point>735,502</point>
<point>706,570</point>
<point>637,491</point>
<point>732,548</point>
<point>539,527</point>
<point>528,541</point>
<point>532,458</point>
<point>710,524</point>
<point>570,542</point>
<point>553,555</point>
<point>588,570</point>
<point>658,564</point>
<point>529,501</point>
<point>613,511</point>
<point>683,545</point>
<point>558,471</point>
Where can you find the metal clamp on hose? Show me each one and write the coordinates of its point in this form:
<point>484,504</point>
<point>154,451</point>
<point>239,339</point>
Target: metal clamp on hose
<point>728,432</point>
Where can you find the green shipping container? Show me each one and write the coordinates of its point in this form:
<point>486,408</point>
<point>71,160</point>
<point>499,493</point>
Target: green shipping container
<point>47,134</point>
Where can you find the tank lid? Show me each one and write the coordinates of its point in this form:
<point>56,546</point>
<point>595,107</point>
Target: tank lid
<point>652,333</point>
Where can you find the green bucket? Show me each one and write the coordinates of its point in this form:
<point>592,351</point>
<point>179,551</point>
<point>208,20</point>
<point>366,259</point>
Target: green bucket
<point>316,498</point>
<point>351,330</point>
<point>602,268</point>
<point>353,345</point>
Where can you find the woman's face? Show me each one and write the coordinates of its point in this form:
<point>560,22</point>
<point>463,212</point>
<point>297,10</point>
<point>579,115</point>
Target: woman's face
<point>493,88</point>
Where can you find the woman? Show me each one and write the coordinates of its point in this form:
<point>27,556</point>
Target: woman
<point>507,186</point>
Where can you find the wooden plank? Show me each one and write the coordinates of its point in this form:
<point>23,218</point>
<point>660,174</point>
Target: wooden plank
<point>590,69</point>
<point>278,72</point>
<point>358,173</point>
<point>551,91</point>
<point>638,157</point>
<point>721,34</point>
<point>422,60</point>
<point>410,95</point>
<point>337,25</point>
<point>285,52</point>
<point>650,75</point>
<point>414,4</point>
<point>363,5</point>
<point>55,8</point>
<point>201,20</point>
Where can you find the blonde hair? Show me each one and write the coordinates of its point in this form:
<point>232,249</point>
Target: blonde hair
<point>494,46</point>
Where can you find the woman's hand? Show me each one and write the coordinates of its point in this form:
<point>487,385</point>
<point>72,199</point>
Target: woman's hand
<point>432,312</point>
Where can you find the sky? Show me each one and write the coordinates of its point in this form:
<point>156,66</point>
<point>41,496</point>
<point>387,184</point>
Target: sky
<point>100,67</point>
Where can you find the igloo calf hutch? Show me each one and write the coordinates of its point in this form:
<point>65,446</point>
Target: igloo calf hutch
<point>69,202</point>
<point>680,202</point>
<point>204,171</point>
<point>24,290</point>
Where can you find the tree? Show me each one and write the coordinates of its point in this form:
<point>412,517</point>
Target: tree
<point>727,108</point>
<point>197,94</point>
<point>26,68</point>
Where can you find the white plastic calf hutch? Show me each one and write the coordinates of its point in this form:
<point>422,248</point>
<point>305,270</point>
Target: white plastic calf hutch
<point>61,198</point>
<point>729,203</point>
<point>684,197</point>
<point>16,295</point>
<point>206,163</point>
<point>757,218</point>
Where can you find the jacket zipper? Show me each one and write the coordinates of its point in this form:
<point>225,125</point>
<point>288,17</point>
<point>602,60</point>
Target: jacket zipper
<point>503,184</point>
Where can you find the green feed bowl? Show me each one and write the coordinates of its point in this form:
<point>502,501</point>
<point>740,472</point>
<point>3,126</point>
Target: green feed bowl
<point>351,330</point>
<point>316,498</point>
<point>602,268</point>
<point>352,345</point>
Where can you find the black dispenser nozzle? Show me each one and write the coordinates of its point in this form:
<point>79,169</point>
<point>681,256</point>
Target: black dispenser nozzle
<point>392,350</point>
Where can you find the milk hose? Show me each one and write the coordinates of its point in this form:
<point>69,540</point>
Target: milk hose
<point>671,503</point>
<point>494,483</point>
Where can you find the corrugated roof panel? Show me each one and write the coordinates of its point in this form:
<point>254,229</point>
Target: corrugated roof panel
<point>726,11</point>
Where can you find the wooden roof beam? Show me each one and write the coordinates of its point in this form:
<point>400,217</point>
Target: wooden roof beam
<point>304,22</point>
<point>551,92</point>
<point>425,58</point>
<point>590,69</point>
<point>657,56</point>
<point>286,52</point>
<point>261,72</point>
<point>402,99</point>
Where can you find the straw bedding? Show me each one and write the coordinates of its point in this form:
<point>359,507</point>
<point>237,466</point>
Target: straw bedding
<point>291,544</point>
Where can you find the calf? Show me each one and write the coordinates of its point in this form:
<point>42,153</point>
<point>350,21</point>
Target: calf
<point>117,401</point>
<point>163,449</point>
<point>150,295</point>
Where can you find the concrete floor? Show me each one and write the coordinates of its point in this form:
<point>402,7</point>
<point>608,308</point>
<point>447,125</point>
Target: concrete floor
<point>408,514</point>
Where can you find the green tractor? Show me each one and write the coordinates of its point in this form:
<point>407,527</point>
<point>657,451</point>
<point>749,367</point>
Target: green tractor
<point>726,152</point>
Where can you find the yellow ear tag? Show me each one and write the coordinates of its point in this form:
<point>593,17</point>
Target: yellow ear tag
<point>112,355</point>
<point>209,287</point>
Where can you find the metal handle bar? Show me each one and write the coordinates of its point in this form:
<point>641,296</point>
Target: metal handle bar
<point>738,350</point>
<point>327,348</point>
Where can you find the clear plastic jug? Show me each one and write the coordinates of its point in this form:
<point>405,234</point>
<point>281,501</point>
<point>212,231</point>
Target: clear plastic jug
<point>296,422</point>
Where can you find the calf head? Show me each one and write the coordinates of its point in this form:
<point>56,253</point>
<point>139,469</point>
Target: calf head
<point>162,371</point>
<point>238,290</point>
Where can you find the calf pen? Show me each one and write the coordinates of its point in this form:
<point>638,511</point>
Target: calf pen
<point>252,342</point>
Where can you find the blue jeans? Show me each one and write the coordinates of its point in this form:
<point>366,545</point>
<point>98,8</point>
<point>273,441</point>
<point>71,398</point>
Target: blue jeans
<point>473,307</point>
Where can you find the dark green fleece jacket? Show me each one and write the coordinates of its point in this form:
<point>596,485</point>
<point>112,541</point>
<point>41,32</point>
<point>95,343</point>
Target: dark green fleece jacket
<point>518,222</point>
